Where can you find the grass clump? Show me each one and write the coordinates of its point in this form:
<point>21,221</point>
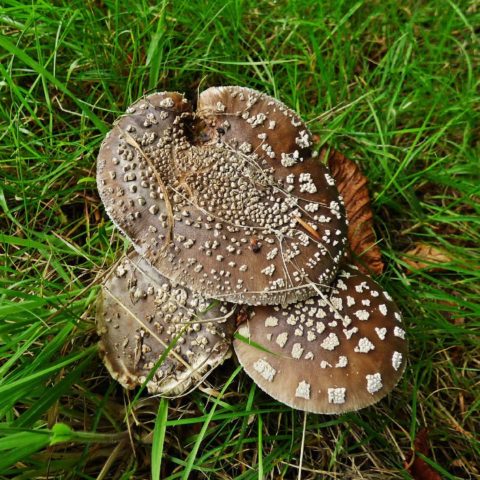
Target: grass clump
<point>393,87</point>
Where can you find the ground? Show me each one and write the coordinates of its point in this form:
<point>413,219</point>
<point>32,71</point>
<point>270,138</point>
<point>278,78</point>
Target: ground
<point>392,85</point>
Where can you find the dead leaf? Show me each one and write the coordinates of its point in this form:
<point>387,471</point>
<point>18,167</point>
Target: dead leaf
<point>426,256</point>
<point>418,468</point>
<point>242,316</point>
<point>352,185</point>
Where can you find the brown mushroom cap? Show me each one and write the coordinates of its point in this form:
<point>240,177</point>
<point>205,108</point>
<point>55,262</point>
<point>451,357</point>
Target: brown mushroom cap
<point>338,352</point>
<point>255,122</point>
<point>139,314</point>
<point>256,227</point>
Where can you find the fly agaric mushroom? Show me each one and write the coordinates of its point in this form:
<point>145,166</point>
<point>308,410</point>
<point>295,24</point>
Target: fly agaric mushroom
<point>140,314</point>
<point>340,351</point>
<point>247,217</point>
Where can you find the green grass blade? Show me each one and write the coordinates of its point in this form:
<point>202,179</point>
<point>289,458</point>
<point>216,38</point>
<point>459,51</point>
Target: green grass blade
<point>159,438</point>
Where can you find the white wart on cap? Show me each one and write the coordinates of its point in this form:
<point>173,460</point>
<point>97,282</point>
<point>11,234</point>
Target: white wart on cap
<point>139,314</point>
<point>231,218</point>
<point>338,352</point>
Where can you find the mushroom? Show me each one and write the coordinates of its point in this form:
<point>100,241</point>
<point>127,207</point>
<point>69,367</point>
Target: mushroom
<point>340,351</point>
<point>255,122</point>
<point>247,216</point>
<point>140,314</point>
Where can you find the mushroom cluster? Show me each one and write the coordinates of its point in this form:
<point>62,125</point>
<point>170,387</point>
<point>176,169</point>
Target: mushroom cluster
<point>225,206</point>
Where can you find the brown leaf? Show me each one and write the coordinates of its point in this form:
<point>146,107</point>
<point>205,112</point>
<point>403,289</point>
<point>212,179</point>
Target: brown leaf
<point>242,316</point>
<point>427,256</point>
<point>352,185</point>
<point>419,469</point>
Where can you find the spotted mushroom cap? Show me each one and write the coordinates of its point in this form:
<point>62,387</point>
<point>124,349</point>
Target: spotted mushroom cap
<point>140,313</point>
<point>340,351</point>
<point>225,217</point>
<point>254,122</point>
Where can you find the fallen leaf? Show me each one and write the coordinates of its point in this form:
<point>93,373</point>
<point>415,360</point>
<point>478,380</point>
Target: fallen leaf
<point>352,185</point>
<point>418,468</point>
<point>242,316</point>
<point>426,256</point>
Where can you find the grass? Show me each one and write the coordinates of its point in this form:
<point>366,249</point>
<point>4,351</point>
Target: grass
<point>393,87</point>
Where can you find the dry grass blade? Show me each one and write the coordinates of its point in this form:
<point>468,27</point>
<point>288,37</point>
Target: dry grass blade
<point>424,256</point>
<point>170,218</point>
<point>308,228</point>
<point>352,185</point>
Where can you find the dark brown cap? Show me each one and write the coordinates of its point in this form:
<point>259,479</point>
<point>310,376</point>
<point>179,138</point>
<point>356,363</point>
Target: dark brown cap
<point>216,216</point>
<point>258,124</point>
<point>340,351</point>
<point>140,314</point>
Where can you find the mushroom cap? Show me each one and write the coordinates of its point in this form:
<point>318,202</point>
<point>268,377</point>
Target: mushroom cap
<point>255,122</point>
<point>340,351</point>
<point>255,227</point>
<point>139,314</point>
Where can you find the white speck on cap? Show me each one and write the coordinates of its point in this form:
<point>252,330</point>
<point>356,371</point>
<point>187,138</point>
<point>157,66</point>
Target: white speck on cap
<point>320,327</point>
<point>381,332</point>
<point>330,342</point>
<point>271,321</point>
<point>167,103</point>
<point>244,331</point>
<point>282,339</point>
<point>265,369</point>
<point>303,390</point>
<point>336,395</point>
<point>399,332</point>
<point>342,361</point>
<point>297,350</point>
<point>396,360</point>
<point>364,345</point>
<point>362,315</point>
<point>350,332</point>
<point>336,303</point>
<point>374,382</point>
<point>311,336</point>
